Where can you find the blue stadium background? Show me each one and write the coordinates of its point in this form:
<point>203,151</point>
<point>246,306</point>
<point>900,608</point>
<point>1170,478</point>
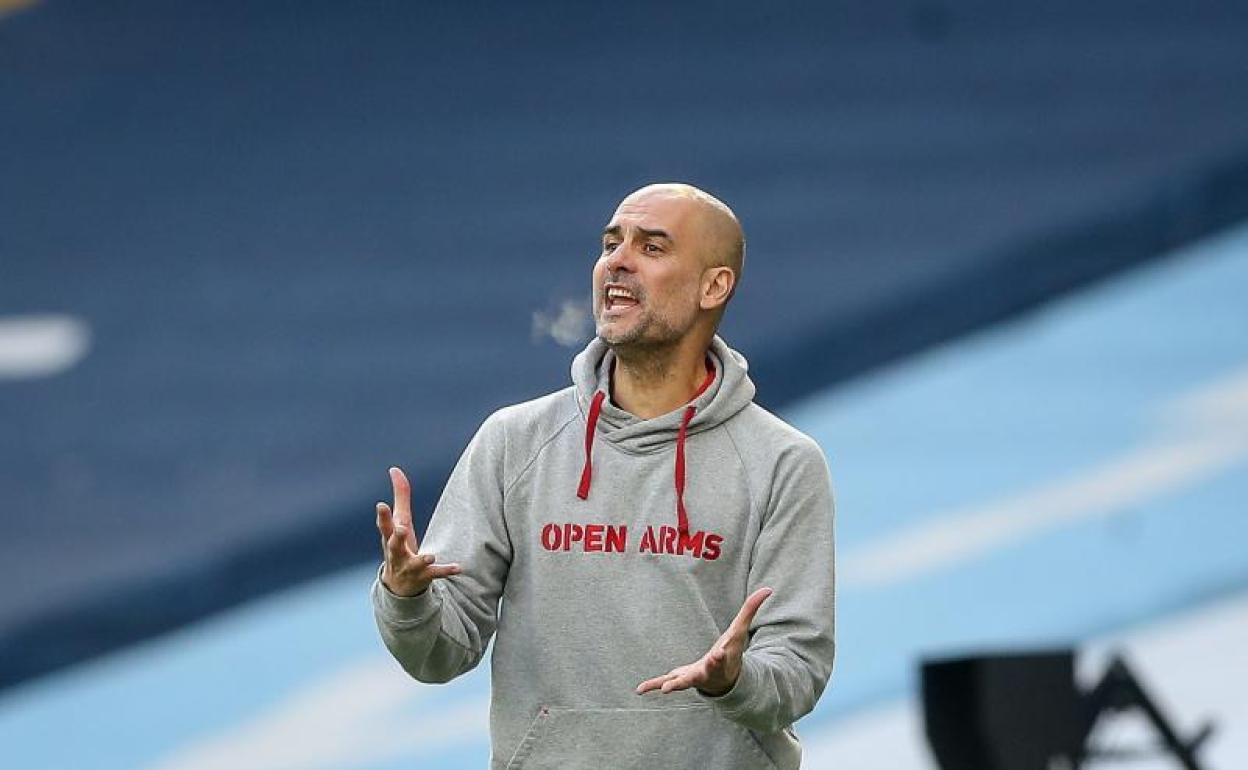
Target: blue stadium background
<point>252,253</point>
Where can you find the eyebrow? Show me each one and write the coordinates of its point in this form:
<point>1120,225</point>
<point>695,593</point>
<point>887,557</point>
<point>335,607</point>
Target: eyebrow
<point>617,230</point>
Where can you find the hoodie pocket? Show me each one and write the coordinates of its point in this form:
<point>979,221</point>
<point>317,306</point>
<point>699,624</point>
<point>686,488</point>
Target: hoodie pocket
<point>673,737</point>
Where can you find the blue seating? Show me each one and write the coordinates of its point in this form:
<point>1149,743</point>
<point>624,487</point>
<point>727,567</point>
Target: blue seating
<point>308,242</point>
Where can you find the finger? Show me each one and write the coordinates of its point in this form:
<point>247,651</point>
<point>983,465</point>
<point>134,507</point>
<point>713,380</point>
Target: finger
<point>385,524</point>
<point>404,532</point>
<point>402,496</point>
<point>443,570</point>
<point>396,548</point>
<point>655,683</point>
<point>683,682</point>
<point>403,506</point>
<point>741,623</point>
<point>650,684</point>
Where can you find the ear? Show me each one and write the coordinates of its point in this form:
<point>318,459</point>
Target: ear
<point>717,285</point>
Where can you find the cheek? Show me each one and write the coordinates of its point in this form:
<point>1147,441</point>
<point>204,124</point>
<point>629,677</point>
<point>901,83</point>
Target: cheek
<point>676,296</point>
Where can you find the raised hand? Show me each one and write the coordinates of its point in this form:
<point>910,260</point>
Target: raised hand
<point>715,672</point>
<point>407,572</point>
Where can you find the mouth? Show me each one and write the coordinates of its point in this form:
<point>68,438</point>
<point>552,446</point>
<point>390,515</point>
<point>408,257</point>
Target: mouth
<point>618,298</point>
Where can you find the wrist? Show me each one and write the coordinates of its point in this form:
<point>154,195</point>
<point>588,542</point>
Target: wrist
<point>403,592</point>
<point>715,693</point>
<point>403,609</point>
<point>720,690</point>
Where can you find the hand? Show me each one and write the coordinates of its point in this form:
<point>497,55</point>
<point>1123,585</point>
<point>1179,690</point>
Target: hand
<point>406,572</point>
<point>716,672</point>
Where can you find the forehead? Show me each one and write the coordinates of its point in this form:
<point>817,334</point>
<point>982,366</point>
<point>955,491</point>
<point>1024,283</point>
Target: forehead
<point>672,213</point>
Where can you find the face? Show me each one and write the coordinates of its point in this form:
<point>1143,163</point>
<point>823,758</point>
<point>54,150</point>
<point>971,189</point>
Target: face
<point>646,280</point>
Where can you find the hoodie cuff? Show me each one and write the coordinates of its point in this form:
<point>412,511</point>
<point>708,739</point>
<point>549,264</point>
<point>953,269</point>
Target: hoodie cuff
<point>737,701</point>
<point>406,610</point>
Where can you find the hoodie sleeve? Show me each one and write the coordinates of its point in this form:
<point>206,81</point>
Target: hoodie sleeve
<point>443,632</point>
<point>788,660</point>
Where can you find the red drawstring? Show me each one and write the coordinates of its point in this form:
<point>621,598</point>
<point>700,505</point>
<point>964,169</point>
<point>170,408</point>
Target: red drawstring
<point>595,408</point>
<point>682,516</point>
<point>591,424</point>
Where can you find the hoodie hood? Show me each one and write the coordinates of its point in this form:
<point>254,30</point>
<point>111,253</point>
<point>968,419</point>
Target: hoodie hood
<point>726,391</point>
<point>729,393</point>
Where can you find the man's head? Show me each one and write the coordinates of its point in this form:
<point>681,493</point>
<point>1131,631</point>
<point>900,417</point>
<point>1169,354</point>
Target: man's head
<point>671,259</point>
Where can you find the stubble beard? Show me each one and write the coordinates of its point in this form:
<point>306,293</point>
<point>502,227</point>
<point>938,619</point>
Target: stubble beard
<point>651,333</point>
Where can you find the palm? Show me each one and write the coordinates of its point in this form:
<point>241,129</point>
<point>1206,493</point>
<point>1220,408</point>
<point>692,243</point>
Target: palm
<point>716,672</point>
<point>407,572</point>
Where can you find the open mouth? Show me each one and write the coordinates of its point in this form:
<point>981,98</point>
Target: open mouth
<point>619,298</point>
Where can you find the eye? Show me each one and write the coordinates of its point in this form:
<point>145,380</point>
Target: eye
<point>653,248</point>
<point>609,246</point>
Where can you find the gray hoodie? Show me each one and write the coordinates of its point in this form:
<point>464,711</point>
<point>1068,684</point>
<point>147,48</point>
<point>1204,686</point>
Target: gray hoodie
<point>622,548</point>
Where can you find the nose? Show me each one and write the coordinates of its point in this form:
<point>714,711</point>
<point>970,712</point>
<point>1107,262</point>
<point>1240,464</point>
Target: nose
<point>620,260</point>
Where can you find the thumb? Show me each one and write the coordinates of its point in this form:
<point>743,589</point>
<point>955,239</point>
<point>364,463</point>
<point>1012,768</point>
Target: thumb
<point>716,659</point>
<point>741,623</point>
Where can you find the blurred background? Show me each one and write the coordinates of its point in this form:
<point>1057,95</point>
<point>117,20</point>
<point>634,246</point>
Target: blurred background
<point>254,252</point>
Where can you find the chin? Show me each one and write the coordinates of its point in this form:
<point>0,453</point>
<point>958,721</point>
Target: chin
<point>645,333</point>
<point>613,331</point>
<point>615,337</point>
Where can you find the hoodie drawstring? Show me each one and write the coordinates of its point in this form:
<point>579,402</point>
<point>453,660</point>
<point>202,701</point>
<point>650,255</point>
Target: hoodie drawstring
<point>591,424</point>
<point>682,516</point>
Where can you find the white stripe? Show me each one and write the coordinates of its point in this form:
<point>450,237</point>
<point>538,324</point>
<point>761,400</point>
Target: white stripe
<point>1208,433</point>
<point>359,715</point>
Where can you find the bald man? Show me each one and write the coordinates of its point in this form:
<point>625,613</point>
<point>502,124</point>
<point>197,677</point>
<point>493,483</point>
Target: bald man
<point>661,545</point>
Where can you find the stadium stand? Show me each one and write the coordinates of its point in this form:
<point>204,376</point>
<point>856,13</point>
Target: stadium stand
<point>301,242</point>
<point>1074,477</point>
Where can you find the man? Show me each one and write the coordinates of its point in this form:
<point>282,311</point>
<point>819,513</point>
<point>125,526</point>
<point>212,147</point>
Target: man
<point>649,515</point>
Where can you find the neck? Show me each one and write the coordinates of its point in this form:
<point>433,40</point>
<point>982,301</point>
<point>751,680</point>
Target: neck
<point>653,381</point>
